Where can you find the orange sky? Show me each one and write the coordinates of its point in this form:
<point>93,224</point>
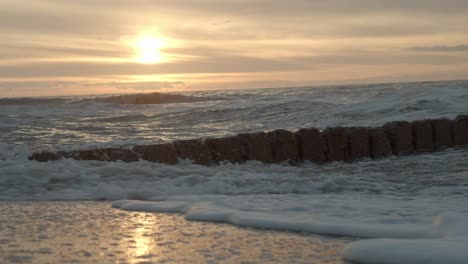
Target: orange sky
<point>58,47</point>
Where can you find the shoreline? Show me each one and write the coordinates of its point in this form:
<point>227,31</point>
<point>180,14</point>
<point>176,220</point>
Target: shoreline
<point>33,232</point>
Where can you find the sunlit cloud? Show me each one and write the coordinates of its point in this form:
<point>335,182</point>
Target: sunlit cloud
<point>303,41</point>
<point>441,48</point>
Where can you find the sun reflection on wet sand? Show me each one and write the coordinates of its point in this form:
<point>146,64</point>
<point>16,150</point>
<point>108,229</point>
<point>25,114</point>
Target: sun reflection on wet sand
<point>143,246</point>
<point>93,232</point>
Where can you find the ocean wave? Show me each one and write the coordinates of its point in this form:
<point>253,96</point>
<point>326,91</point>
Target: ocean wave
<point>82,120</point>
<point>32,101</point>
<point>120,118</point>
<point>152,98</point>
<point>442,173</point>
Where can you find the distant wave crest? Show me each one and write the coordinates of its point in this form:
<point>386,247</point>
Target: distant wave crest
<point>32,101</point>
<point>149,98</point>
<point>152,98</point>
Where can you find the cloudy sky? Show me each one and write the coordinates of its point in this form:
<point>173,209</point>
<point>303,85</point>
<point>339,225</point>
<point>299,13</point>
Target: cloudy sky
<point>64,47</point>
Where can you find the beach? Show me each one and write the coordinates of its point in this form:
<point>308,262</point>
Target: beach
<point>103,211</point>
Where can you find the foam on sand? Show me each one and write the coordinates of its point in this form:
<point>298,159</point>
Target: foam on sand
<point>396,240</point>
<point>450,247</point>
<point>216,209</point>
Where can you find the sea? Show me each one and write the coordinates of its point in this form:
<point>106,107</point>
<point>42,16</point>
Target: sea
<point>405,209</point>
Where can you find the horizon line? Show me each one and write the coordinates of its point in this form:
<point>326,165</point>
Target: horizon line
<point>234,89</point>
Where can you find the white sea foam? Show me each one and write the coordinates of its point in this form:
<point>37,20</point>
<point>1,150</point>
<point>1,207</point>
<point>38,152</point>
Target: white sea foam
<point>320,214</point>
<point>441,174</point>
<point>450,245</point>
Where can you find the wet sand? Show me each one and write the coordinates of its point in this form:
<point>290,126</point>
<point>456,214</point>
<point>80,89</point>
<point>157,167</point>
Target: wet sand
<point>94,232</point>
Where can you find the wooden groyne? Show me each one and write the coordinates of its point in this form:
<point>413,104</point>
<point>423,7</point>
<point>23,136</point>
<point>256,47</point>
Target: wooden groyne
<point>331,144</point>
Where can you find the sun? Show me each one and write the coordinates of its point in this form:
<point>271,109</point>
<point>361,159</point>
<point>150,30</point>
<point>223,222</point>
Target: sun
<point>148,50</point>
